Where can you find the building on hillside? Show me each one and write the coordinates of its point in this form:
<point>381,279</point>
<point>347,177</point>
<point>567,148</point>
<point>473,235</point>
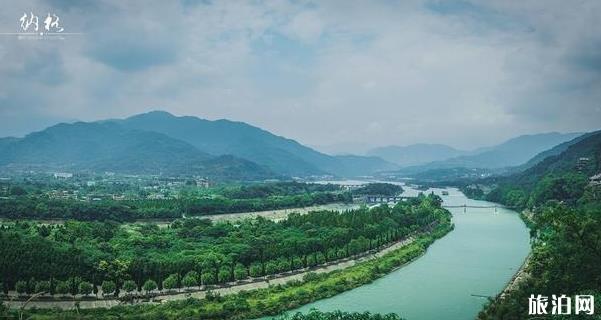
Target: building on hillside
<point>595,180</point>
<point>582,163</point>
<point>62,175</point>
<point>118,197</point>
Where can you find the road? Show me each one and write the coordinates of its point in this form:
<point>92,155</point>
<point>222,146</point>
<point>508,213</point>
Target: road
<point>234,287</point>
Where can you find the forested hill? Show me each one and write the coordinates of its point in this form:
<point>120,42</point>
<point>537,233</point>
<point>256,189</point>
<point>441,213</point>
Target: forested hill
<point>558,149</point>
<point>108,146</point>
<point>564,216</point>
<point>159,142</point>
<point>561,177</point>
<point>284,156</point>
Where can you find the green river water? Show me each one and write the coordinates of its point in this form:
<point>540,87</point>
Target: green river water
<point>476,259</point>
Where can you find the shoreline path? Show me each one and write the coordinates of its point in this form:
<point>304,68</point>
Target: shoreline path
<point>234,287</point>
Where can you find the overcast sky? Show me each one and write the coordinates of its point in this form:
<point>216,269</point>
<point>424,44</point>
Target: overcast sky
<point>346,74</point>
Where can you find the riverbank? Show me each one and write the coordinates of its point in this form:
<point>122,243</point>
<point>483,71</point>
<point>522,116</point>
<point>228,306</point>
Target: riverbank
<point>520,277</point>
<point>275,215</point>
<point>476,260</point>
<point>14,301</point>
<point>522,274</point>
<point>276,297</point>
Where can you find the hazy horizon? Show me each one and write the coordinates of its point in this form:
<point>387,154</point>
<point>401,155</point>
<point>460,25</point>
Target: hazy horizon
<point>335,75</point>
<point>336,149</point>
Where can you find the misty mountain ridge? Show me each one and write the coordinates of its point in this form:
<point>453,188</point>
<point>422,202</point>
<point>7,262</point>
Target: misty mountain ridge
<point>282,155</point>
<point>514,152</point>
<point>107,146</point>
<point>558,149</point>
<point>159,142</point>
<point>415,154</point>
<point>564,159</point>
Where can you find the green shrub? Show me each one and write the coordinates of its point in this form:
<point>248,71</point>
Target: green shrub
<point>85,288</point>
<point>149,286</point>
<point>190,279</point>
<point>129,286</point>
<point>256,270</point>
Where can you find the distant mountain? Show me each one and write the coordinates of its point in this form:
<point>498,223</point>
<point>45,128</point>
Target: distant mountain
<point>284,156</point>
<point>108,146</point>
<point>586,146</point>
<point>561,176</point>
<point>516,151</point>
<point>558,149</point>
<point>512,153</point>
<point>343,148</point>
<point>415,154</point>
<point>350,165</point>
<point>6,141</point>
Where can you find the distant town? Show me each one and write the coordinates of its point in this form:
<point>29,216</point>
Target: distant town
<point>97,187</point>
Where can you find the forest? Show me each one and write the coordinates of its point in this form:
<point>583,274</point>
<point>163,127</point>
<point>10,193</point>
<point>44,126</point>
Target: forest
<point>42,208</point>
<point>81,257</point>
<point>272,300</point>
<point>382,189</point>
<point>563,212</point>
<point>28,202</point>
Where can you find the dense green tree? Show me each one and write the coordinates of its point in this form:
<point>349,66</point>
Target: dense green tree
<point>85,288</point>
<point>218,251</point>
<point>563,214</point>
<point>21,287</point>
<point>149,286</point>
<point>381,189</point>
<point>224,275</point>
<point>42,287</point>
<point>190,279</point>
<point>271,267</point>
<point>74,285</point>
<point>129,286</point>
<point>256,270</point>
<point>108,287</point>
<point>62,288</point>
<point>208,278</point>
<point>223,200</point>
<point>171,282</point>
<point>240,272</point>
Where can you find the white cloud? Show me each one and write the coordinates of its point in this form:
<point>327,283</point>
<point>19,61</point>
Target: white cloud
<point>327,73</point>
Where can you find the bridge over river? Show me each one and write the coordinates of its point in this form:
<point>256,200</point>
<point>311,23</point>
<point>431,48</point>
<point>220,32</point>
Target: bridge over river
<point>476,260</point>
<point>374,199</point>
<point>466,206</point>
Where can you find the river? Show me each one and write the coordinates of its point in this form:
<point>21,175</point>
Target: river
<point>476,259</point>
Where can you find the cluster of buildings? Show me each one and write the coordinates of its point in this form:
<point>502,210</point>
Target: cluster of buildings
<point>581,164</point>
<point>107,186</point>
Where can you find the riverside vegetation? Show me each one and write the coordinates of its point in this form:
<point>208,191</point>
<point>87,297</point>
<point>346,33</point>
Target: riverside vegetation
<point>269,301</point>
<point>33,200</point>
<point>563,211</point>
<point>338,315</point>
<point>80,256</point>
